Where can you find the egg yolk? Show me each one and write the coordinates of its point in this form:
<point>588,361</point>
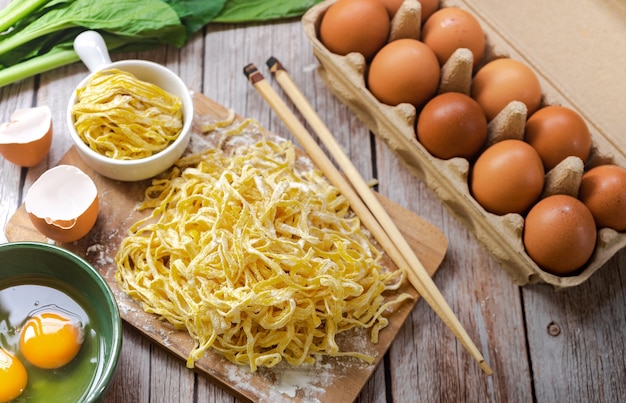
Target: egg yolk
<point>49,340</point>
<point>13,376</point>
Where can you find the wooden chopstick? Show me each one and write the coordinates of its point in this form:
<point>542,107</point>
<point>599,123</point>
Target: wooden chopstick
<point>417,274</point>
<point>364,203</point>
<point>322,161</point>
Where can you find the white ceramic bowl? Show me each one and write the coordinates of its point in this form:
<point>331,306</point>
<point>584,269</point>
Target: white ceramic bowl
<point>93,52</point>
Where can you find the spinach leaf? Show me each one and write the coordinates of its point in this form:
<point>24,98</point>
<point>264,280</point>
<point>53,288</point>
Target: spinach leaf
<point>195,14</point>
<point>236,11</point>
<point>134,19</point>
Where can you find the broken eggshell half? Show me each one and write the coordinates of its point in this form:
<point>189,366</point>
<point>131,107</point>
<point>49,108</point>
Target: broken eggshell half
<point>63,203</point>
<point>26,139</point>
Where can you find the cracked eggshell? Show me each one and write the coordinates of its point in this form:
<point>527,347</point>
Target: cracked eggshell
<point>63,203</point>
<point>26,139</point>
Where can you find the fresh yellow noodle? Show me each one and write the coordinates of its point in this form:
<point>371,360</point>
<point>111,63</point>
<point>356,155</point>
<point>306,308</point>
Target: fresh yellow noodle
<point>255,258</point>
<point>209,127</point>
<point>122,117</point>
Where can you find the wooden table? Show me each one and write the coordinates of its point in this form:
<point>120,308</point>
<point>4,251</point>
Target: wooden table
<point>543,345</point>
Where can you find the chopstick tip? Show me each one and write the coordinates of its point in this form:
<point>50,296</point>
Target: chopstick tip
<point>486,368</point>
<point>274,65</point>
<point>252,73</point>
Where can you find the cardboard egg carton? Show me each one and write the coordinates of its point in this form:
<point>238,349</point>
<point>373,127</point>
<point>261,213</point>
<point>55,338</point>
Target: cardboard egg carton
<point>448,179</point>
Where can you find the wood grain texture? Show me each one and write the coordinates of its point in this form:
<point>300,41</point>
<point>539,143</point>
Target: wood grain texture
<point>584,362</point>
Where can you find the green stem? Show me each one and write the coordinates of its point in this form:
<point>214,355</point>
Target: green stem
<point>17,10</point>
<point>36,66</point>
<point>14,42</point>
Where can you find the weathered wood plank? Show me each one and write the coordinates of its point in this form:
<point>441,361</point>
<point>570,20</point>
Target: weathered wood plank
<point>17,96</point>
<point>576,337</point>
<point>132,375</point>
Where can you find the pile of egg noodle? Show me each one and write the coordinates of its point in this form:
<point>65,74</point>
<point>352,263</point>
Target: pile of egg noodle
<point>122,117</point>
<point>255,257</point>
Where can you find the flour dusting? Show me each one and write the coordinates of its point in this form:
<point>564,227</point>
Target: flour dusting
<point>285,383</point>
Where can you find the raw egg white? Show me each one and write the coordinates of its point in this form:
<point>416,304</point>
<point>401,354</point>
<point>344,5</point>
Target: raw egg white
<point>452,125</point>
<point>355,26</point>
<point>559,234</point>
<point>63,203</point>
<point>51,340</point>
<point>404,71</point>
<point>502,81</point>
<point>451,28</point>
<point>603,191</point>
<point>26,139</point>
<point>508,177</point>
<point>557,132</point>
<point>13,376</point>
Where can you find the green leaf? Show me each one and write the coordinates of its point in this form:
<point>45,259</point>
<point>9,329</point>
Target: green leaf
<point>236,11</point>
<point>195,14</point>
<point>136,19</point>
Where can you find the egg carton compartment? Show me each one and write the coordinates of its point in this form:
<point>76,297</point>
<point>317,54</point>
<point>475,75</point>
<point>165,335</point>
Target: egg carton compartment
<point>448,179</point>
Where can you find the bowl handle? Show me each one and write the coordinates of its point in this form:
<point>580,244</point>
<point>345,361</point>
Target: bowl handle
<point>92,50</point>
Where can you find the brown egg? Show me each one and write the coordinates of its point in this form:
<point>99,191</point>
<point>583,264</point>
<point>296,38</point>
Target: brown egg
<point>355,26</point>
<point>26,139</point>
<point>428,7</point>
<point>501,81</point>
<point>404,71</point>
<point>451,28</point>
<point>559,234</point>
<point>63,203</point>
<point>507,177</point>
<point>392,6</point>
<point>603,191</point>
<point>557,132</point>
<point>452,125</point>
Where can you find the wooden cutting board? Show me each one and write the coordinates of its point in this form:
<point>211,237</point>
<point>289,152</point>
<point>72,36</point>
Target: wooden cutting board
<point>332,379</point>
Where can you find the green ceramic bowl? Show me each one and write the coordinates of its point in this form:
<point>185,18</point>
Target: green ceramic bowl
<point>39,274</point>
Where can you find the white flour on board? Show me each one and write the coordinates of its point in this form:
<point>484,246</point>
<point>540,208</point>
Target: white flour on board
<point>307,383</point>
